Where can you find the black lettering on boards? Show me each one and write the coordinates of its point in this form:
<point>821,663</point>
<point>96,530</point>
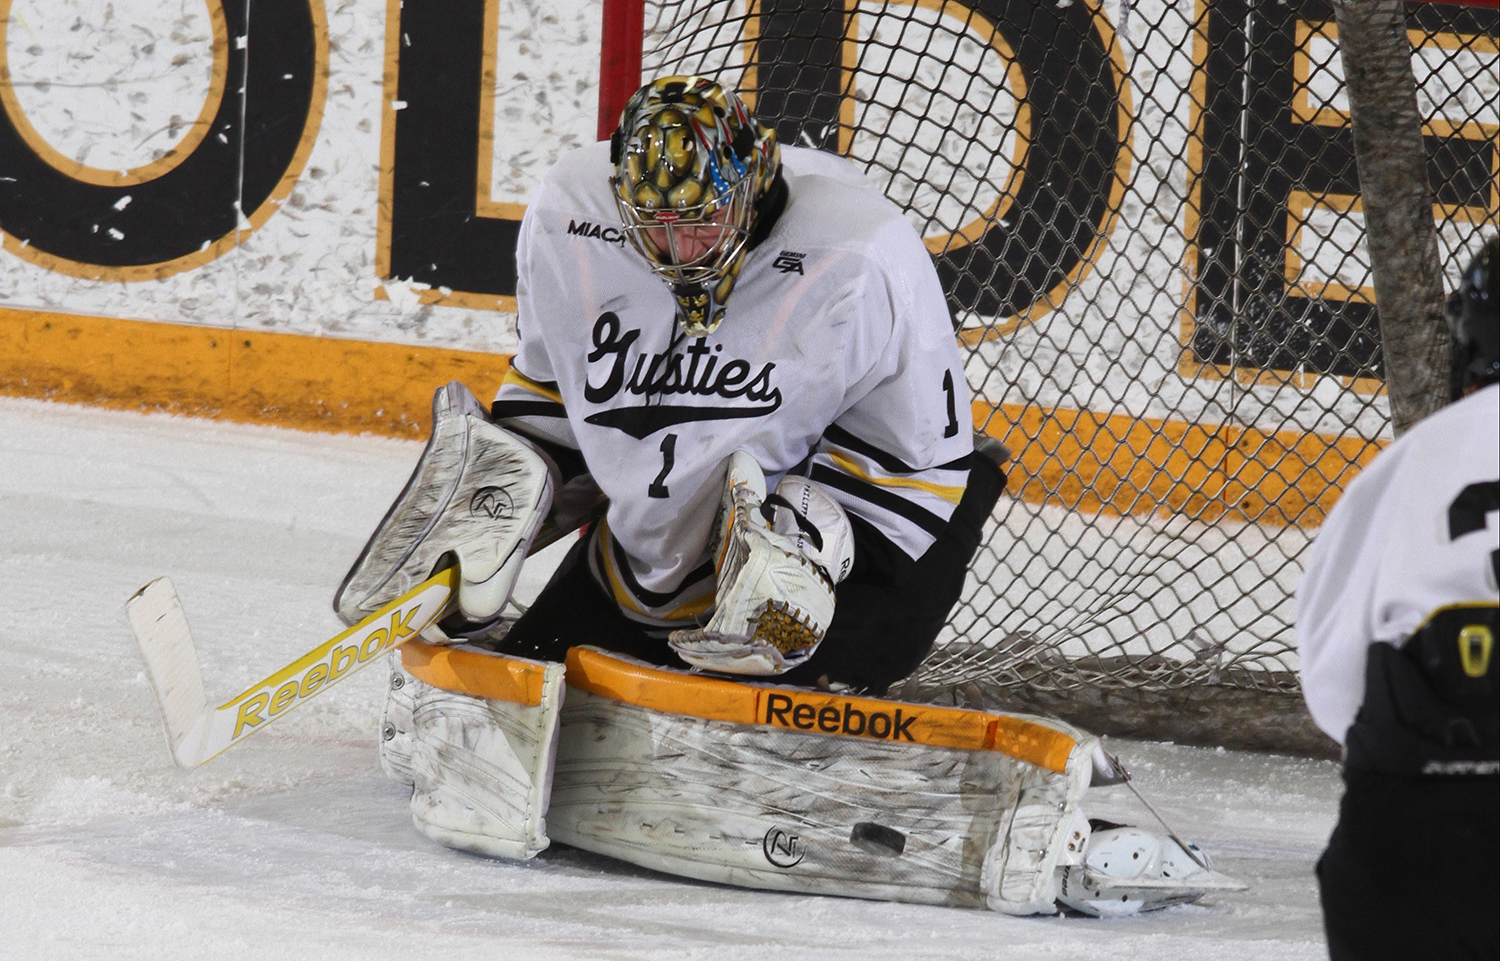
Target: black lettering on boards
<point>181,209</point>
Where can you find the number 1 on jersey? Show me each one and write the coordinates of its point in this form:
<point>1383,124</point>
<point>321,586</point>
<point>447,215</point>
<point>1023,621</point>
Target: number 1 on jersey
<point>658,487</point>
<point>952,429</point>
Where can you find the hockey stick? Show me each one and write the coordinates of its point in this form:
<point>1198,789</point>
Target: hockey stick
<point>197,733</point>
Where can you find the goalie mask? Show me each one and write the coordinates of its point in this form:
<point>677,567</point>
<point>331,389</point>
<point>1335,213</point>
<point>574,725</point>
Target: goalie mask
<point>692,168</point>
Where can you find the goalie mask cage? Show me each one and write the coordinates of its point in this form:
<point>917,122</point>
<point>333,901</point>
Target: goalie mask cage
<point>1146,217</point>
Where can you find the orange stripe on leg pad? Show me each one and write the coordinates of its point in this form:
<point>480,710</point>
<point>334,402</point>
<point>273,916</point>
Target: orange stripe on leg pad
<point>497,677</point>
<point>504,678</point>
<point>814,712</point>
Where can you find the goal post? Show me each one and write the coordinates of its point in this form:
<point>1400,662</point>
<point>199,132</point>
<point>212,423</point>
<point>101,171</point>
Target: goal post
<point>1148,220</point>
<point>619,59</point>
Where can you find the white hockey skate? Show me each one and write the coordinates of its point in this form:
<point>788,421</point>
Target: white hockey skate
<point>1128,870</point>
<point>1112,870</point>
<point>777,565</point>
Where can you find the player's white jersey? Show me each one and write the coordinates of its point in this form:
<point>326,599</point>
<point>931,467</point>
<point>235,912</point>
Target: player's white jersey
<point>836,357</point>
<point>1415,532</point>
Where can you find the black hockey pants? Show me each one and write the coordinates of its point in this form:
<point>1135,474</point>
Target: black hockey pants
<point>887,614</point>
<point>1413,869</point>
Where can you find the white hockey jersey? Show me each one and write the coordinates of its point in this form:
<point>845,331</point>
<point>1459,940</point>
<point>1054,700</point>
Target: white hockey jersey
<point>1415,532</point>
<point>836,358</point>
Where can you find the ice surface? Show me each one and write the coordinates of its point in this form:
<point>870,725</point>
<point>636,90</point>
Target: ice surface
<point>294,845</point>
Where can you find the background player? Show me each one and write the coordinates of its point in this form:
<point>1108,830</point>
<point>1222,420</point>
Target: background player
<point>1396,624</point>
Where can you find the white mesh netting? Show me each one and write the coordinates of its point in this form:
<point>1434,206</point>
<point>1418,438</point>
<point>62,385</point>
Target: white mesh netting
<point>1147,219</point>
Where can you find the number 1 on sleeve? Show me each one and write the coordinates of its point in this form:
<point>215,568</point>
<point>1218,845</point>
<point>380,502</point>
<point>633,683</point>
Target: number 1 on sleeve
<point>952,429</point>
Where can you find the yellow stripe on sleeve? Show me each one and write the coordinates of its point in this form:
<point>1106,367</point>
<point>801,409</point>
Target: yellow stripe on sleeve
<point>684,612</point>
<point>513,376</point>
<point>616,584</point>
<point>947,492</point>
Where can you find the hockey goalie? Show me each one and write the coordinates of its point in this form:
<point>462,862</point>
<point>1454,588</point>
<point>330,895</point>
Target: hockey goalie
<point>737,374</point>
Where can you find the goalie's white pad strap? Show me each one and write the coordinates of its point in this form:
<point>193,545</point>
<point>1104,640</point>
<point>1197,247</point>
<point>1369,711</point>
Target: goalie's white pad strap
<point>479,493</point>
<point>803,511</point>
<point>480,764</point>
<point>395,722</point>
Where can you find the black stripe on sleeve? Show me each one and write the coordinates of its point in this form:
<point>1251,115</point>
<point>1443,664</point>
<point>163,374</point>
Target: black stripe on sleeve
<point>526,408</point>
<point>652,599</point>
<point>888,462</point>
<point>880,497</point>
<point>961,463</point>
<point>569,461</point>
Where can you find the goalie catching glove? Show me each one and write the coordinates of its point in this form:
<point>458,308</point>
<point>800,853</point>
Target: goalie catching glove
<point>479,494</point>
<point>777,561</point>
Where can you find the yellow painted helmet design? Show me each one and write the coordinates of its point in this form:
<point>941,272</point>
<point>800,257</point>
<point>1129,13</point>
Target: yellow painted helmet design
<point>691,165</point>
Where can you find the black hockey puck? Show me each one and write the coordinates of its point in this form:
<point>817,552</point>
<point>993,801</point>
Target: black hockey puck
<point>877,839</point>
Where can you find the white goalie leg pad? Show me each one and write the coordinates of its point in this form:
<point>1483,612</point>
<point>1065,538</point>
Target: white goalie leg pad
<point>395,722</point>
<point>777,564</point>
<point>1127,870</point>
<point>1020,870</point>
<point>479,493</point>
<point>810,792</point>
<point>481,768</point>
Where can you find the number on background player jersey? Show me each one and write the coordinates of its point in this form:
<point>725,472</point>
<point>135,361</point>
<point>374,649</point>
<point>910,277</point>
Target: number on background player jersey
<point>1466,513</point>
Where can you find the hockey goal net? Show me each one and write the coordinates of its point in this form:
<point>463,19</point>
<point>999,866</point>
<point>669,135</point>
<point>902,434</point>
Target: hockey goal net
<point>1147,219</point>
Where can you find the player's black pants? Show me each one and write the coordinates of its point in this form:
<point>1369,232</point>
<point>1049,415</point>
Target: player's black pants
<point>888,611</point>
<point>1413,869</point>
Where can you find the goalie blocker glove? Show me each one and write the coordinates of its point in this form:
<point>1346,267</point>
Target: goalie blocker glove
<point>777,561</point>
<point>479,495</point>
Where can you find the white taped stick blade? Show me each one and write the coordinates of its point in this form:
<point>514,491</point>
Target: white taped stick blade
<point>161,631</point>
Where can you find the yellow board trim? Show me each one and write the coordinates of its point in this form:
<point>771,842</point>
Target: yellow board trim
<point>493,676</point>
<point>950,494</point>
<point>1144,466</point>
<point>290,380</point>
<point>1079,460</point>
<point>814,712</point>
